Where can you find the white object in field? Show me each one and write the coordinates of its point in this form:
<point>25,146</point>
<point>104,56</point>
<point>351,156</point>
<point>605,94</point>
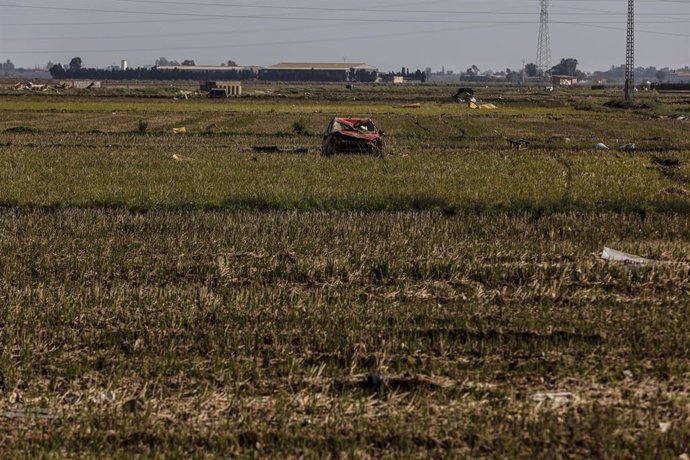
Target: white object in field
<point>601,146</point>
<point>618,256</point>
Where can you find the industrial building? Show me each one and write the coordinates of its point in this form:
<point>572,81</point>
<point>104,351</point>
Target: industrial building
<point>320,72</point>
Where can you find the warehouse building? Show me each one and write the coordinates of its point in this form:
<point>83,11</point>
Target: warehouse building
<point>319,72</point>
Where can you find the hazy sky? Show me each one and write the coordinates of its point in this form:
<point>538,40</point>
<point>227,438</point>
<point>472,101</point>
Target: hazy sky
<point>493,34</point>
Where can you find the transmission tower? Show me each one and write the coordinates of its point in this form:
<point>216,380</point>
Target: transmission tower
<point>544,47</point>
<point>630,53</point>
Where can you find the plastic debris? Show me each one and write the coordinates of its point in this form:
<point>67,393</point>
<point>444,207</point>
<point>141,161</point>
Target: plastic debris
<point>556,399</point>
<point>664,426</point>
<point>613,255</point>
<point>179,130</point>
<point>627,147</point>
<point>180,158</point>
<point>601,146</point>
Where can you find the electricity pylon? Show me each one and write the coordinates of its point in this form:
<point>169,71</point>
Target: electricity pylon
<point>630,53</point>
<point>544,47</point>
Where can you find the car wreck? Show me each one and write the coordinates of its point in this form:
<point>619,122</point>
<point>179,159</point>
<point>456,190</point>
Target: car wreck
<point>352,136</point>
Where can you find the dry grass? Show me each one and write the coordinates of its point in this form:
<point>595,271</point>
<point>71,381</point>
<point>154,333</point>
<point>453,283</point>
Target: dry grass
<point>240,304</point>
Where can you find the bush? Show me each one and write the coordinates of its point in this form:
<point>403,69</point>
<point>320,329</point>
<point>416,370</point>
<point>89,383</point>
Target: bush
<point>300,128</point>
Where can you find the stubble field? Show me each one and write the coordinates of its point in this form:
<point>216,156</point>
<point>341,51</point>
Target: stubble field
<point>176,295</point>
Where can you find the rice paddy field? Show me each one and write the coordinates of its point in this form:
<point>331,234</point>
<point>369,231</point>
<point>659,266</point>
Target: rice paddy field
<point>186,295</point>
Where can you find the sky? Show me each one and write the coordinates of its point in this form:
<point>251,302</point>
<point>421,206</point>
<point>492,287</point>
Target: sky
<point>389,34</point>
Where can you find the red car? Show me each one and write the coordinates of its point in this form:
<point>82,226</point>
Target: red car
<point>352,135</point>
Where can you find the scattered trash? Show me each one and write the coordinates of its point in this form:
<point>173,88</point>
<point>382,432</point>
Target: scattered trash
<point>30,87</point>
<point>557,399</point>
<point>664,426</point>
<point>465,95</point>
<point>628,374</point>
<point>518,144</point>
<point>27,413</point>
<point>276,149</point>
<point>474,105</point>
<point>102,397</point>
<point>71,398</point>
<point>177,157</point>
<point>612,255</point>
<point>376,379</point>
<point>179,130</point>
<point>682,118</point>
<point>601,146</point>
<point>627,147</point>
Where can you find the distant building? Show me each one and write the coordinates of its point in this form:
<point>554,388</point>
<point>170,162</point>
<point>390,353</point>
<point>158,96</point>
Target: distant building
<point>319,72</point>
<point>205,68</point>
<point>563,80</point>
<point>124,65</point>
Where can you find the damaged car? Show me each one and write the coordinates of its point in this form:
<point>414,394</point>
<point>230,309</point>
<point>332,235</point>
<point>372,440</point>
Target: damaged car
<point>352,136</point>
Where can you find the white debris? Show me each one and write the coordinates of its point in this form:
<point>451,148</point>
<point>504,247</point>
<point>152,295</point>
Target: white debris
<point>601,146</point>
<point>627,147</point>
<point>664,426</point>
<point>613,255</point>
<point>556,399</point>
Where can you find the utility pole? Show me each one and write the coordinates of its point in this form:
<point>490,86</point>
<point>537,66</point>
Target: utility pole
<point>544,46</point>
<point>630,54</point>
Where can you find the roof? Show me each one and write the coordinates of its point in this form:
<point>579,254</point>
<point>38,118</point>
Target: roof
<point>202,68</point>
<point>564,77</point>
<point>322,66</point>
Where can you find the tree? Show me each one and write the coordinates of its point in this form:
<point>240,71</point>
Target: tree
<point>57,71</point>
<point>75,64</point>
<point>567,66</point>
<point>473,71</point>
<point>188,62</point>
<point>163,62</point>
<point>531,70</point>
<point>232,63</point>
<point>663,74</point>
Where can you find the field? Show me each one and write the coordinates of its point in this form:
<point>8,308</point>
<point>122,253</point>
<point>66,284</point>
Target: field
<point>186,295</point>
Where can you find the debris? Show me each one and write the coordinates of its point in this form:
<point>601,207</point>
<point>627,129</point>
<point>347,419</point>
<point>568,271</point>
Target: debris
<point>612,255</point>
<point>179,130</point>
<point>627,147</point>
<point>684,457</point>
<point>556,399</point>
<point>376,379</point>
<point>518,144</point>
<point>474,105</point>
<point>664,426</point>
<point>276,149</point>
<point>71,398</point>
<point>177,157</point>
<point>682,118</point>
<point>102,397</point>
<point>411,106</point>
<point>352,135</point>
<point>628,374</point>
<point>27,413</point>
<point>601,146</point>
<point>465,95</point>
